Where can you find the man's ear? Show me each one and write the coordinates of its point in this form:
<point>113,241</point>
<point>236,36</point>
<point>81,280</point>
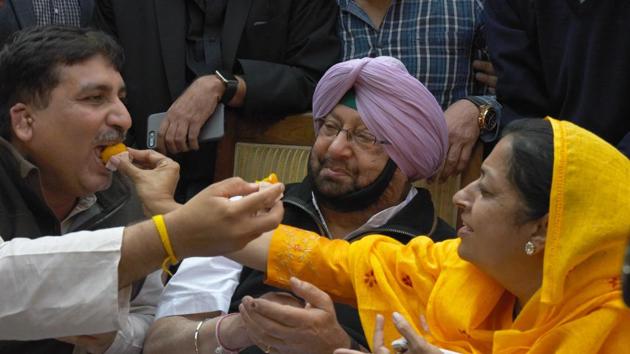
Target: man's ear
<point>21,122</point>
<point>539,236</point>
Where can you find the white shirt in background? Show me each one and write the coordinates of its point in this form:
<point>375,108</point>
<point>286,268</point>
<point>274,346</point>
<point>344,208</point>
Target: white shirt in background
<point>201,284</point>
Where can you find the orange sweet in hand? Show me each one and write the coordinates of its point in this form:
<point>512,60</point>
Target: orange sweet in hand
<point>272,178</point>
<point>112,150</point>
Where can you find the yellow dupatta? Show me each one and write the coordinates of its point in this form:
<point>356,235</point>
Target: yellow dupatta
<point>578,308</point>
<point>455,306</point>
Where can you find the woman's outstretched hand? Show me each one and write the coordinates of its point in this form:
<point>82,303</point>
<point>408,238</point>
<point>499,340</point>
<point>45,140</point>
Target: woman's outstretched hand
<point>410,343</point>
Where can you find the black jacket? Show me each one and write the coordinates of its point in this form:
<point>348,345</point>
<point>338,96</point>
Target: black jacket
<point>23,213</point>
<point>417,218</point>
<point>566,59</point>
<point>281,47</point>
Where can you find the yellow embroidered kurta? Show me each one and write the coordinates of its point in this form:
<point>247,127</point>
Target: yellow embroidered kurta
<point>455,306</point>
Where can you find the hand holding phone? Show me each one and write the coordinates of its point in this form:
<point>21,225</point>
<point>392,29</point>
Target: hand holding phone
<point>212,130</point>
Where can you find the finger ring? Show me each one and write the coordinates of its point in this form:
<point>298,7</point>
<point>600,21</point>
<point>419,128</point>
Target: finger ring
<point>267,349</point>
<point>400,345</point>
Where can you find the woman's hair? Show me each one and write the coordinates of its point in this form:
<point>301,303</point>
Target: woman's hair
<point>531,163</point>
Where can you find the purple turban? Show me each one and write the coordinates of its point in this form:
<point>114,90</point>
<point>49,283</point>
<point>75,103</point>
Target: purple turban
<point>394,106</point>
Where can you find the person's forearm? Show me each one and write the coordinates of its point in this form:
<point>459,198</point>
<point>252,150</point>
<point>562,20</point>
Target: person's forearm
<point>164,339</point>
<point>254,255</point>
<point>194,229</point>
<point>176,334</point>
<point>161,207</point>
<point>141,253</point>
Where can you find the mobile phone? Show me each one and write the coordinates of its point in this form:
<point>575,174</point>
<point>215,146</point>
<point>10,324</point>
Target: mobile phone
<point>212,130</point>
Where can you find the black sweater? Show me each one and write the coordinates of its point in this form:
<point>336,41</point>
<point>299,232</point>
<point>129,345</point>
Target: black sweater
<point>563,59</point>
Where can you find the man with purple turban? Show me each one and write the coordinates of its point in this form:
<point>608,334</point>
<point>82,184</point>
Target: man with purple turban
<point>378,129</point>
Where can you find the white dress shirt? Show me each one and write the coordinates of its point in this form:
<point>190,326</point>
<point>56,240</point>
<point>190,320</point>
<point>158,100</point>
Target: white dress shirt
<point>132,332</point>
<point>201,284</point>
<point>61,286</point>
<point>68,285</point>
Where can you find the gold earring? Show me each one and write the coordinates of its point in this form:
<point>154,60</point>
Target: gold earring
<point>29,121</point>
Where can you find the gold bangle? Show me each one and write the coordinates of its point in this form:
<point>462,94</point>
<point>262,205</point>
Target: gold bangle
<point>197,334</point>
<point>158,220</point>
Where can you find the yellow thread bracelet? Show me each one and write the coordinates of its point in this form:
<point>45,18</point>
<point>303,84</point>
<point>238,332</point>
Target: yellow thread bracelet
<point>158,220</point>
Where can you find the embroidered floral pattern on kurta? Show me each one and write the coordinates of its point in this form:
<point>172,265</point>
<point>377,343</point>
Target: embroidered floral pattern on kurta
<point>578,309</point>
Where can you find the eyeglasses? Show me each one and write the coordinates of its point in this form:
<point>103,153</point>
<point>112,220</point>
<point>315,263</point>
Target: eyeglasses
<point>360,138</point>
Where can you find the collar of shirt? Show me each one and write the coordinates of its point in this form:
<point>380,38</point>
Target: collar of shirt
<point>30,173</point>
<point>84,204</point>
<point>377,220</point>
<point>351,7</point>
<point>25,167</point>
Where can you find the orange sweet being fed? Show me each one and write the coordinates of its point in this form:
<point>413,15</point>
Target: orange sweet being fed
<point>112,150</point>
<point>272,178</point>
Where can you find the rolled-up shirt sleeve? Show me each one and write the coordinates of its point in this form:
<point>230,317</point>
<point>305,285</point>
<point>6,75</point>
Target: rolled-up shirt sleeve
<point>61,286</point>
<point>130,337</point>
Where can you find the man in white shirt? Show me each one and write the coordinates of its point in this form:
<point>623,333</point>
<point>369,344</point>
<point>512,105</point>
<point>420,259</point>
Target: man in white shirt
<point>60,104</point>
<point>114,258</point>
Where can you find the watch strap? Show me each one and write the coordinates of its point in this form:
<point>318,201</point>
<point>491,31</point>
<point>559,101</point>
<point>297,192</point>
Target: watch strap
<point>476,101</point>
<point>231,85</point>
<point>484,108</point>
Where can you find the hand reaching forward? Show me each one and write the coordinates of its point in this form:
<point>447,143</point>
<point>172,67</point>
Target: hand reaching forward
<point>411,340</point>
<point>210,224</point>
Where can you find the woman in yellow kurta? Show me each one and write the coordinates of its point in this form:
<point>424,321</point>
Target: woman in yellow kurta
<point>516,280</point>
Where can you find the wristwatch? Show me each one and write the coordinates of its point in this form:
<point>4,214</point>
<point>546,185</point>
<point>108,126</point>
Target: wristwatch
<point>231,84</point>
<point>487,119</point>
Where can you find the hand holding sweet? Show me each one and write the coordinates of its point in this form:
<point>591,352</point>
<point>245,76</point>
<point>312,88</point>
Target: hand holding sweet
<point>155,177</point>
